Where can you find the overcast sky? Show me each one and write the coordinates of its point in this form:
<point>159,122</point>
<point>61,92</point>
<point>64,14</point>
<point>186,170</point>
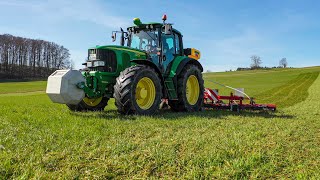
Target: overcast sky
<point>226,32</point>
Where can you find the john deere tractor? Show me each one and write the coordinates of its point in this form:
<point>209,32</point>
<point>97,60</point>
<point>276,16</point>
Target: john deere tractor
<point>148,66</point>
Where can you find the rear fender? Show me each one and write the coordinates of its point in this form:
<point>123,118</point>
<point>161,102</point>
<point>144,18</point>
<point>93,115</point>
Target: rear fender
<point>185,62</point>
<point>178,64</point>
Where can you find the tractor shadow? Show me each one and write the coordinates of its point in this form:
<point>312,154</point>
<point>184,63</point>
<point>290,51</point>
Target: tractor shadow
<point>105,115</point>
<point>167,114</point>
<point>221,114</point>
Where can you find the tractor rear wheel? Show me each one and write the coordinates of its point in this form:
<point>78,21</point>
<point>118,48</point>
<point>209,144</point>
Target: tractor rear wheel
<point>190,90</point>
<point>90,104</point>
<point>138,91</point>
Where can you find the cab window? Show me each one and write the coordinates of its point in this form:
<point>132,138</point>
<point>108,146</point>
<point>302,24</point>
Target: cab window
<point>177,43</point>
<point>168,43</point>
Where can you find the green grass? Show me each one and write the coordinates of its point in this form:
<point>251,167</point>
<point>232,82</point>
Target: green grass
<point>15,87</point>
<point>255,82</point>
<point>39,139</point>
<point>291,92</point>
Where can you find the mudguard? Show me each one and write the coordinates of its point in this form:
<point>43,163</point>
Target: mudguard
<point>149,63</point>
<point>180,62</point>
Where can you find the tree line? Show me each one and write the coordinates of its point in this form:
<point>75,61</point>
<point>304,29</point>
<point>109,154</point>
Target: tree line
<point>26,58</point>
<point>256,63</point>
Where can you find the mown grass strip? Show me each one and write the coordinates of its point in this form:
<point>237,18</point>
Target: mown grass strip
<point>22,93</point>
<point>280,91</point>
<point>22,87</point>
<point>310,107</point>
<point>291,93</point>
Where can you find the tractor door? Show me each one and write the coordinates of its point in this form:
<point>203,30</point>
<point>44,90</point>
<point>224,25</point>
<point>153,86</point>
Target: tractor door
<point>171,48</point>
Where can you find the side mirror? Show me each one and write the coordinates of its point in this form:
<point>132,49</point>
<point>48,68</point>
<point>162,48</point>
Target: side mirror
<point>167,29</point>
<point>114,36</point>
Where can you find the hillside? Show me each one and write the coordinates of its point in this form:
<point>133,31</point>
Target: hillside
<point>39,139</point>
<point>280,86</point>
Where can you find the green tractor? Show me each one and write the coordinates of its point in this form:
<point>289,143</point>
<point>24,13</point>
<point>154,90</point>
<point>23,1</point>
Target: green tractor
<point>148,66</point>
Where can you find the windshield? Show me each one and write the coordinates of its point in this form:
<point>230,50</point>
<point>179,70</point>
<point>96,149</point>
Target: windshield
<point>145,40</point>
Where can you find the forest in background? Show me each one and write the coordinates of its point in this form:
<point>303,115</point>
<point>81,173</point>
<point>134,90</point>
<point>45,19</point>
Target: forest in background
<point>24,58</point>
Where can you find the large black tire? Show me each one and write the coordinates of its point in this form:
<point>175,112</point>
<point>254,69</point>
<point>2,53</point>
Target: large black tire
<point>125,90</point>
<point>83,106</point>
<point>182,103</point>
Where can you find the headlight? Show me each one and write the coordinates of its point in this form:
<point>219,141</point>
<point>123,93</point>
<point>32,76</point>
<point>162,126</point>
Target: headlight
<point>89,64</point>
<point>98,63</point>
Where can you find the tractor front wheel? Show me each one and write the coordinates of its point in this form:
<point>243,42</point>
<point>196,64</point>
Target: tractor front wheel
<point>190,90</point>
<point>90,104</point>
<point>138,91</point>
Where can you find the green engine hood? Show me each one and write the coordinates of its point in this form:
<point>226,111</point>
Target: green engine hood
<point>123,49</point>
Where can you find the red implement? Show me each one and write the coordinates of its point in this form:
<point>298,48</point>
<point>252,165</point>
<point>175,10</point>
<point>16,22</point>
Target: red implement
<point>234,103</point>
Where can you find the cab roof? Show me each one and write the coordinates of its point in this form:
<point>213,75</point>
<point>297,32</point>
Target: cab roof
<point>156,24</point>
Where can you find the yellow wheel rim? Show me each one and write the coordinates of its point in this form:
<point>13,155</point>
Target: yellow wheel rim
<point>92,102</point>
<point>193,90</point>
<point>145,93</point>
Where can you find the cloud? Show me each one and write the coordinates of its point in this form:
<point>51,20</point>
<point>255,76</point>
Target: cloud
<point>225,43</point>
<point>235,51</point>
<point>16,3</point>
<point>92,11</point>
<point>81,10</point>
<point>269,37</point>
<point>246,43</point>
<point>57,13</point>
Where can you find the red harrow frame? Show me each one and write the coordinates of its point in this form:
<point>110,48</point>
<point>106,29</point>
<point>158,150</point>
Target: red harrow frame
<point>235,103</point>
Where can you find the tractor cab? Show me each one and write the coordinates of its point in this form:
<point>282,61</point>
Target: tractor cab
<point>160,41</point>
<point>146,38</point>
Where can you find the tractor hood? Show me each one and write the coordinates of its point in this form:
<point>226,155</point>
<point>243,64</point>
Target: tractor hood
<point>107,58</point>
<point>137,52</point>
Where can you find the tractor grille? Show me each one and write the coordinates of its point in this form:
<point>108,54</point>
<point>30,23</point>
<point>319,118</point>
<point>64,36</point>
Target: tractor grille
<point>108,56</point>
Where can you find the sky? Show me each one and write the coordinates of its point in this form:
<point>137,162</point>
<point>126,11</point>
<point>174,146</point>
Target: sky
<point>226,32</point>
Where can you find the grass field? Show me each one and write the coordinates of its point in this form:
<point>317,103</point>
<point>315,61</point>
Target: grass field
<point>39,139</point>
<point>22,87</point>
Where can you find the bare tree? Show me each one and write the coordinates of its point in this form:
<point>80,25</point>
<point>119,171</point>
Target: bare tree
<point>26,58</point>
<point>283,62</point>
<point>256,61</point>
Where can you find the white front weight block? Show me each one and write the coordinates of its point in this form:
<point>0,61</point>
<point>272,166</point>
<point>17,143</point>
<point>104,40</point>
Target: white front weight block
<point>62,87</point>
